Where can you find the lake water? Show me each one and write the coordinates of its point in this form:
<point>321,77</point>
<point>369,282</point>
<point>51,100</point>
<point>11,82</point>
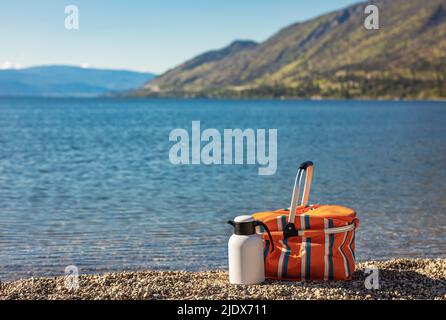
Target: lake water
<point>88,182</point>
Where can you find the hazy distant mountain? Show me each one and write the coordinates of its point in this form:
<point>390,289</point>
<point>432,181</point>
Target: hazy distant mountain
<point>333,55</point>
<point>68,81</point>
<point>186,73</point>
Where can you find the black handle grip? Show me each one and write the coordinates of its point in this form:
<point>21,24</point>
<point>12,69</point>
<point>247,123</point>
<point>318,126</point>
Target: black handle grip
<point>305,165</point>
<point>260,223</point>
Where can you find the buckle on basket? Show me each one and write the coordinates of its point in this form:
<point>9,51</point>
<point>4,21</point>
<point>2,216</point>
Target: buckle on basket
<point>290,231</point>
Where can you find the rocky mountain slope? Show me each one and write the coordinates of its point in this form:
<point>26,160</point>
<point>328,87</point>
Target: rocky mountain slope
<point>333,55</point>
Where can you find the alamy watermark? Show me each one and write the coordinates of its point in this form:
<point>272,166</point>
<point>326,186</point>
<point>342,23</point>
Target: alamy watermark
<point>189,149</point>
<point>371,282</point>
<point>371,21</point>
<point>71,278</point>
<point>72,17</point>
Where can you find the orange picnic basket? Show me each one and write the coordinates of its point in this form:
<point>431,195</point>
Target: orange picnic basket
<point>314,242</point>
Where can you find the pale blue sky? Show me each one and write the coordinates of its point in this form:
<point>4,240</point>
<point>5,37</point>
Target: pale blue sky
<point>151,35</point>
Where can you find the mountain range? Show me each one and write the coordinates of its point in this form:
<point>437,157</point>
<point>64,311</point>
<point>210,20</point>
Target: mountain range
<point>69,81</point>
<point>330,56</point>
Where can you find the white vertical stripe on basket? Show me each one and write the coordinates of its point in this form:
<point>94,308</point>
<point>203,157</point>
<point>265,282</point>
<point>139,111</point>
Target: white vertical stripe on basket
<point>282,253</point>
<point>279,223</point>
<point>303,251</point>
<point>326,251</point>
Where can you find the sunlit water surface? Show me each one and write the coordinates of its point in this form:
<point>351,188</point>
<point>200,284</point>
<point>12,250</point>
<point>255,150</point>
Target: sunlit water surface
<point>88,182</point>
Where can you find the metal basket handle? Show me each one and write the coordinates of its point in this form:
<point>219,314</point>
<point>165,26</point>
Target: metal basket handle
<point>307,168</point>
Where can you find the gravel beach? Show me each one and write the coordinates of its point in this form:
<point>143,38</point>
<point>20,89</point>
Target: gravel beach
<point>398,279</point>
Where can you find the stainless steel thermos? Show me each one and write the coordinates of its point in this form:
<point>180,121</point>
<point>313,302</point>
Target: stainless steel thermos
<point>245,251</point>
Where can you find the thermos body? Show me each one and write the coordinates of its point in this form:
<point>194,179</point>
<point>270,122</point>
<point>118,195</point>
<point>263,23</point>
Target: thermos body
<point>245,251</point>
<point>246,265</point>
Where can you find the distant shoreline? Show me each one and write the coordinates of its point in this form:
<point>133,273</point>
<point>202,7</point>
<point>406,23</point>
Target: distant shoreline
<point>398,279</point>
<point>124,97</point>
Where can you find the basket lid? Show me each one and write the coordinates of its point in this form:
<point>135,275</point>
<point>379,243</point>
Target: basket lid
<point>332,211</point>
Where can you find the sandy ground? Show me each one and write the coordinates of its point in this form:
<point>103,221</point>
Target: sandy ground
<point>398,279</point>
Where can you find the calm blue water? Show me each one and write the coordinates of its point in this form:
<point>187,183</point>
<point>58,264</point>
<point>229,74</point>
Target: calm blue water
<point>89,182</point>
